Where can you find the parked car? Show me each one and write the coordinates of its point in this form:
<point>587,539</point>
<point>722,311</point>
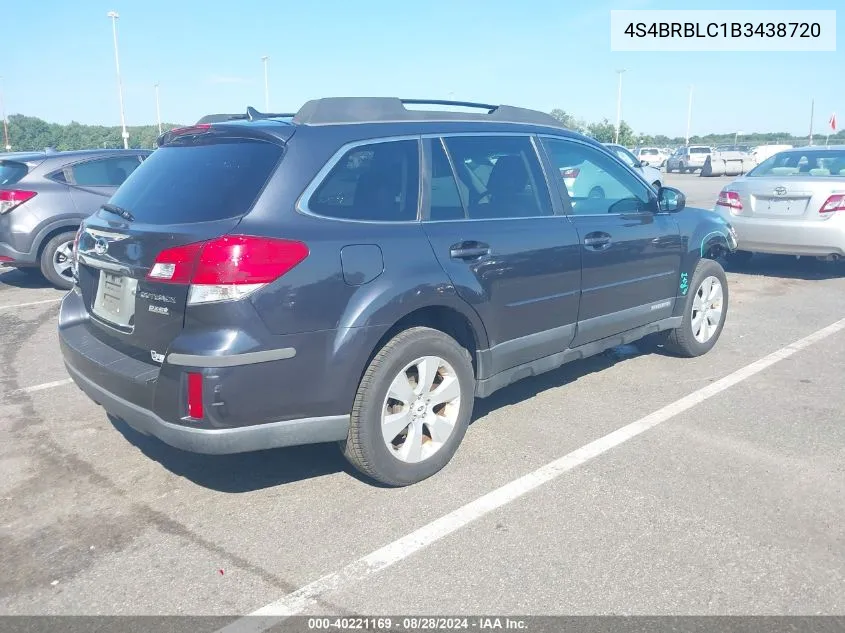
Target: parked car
<point>793,203</point>
<point>43,198</point>
<point>362,273</point>
<point>650,156</point>
<point>764,152</point>
<point>651,174</point>
<point>690,158</point>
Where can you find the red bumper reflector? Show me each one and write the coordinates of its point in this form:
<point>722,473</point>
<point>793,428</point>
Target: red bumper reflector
<point>195,395</point>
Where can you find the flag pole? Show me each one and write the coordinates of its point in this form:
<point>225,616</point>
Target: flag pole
<point>812,111</point>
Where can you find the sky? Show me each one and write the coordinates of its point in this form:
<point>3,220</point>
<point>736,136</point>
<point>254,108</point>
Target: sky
<point>58,62</point>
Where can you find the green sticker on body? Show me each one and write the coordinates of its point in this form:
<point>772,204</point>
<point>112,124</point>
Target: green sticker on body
<point>684,286</point>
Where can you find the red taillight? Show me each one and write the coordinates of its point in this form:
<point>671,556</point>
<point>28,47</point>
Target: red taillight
<point>572,172</point>
<point>243,259</point>
<point>729,199</point>
<point>228,267</point>
<point>11,198</point>
<point>836,202</point>
<point>4,258</point>
<point>176,265</point>
<point>195,409</point>
<point>231,259</point>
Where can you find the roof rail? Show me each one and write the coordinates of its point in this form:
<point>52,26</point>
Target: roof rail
<point>338,110</point>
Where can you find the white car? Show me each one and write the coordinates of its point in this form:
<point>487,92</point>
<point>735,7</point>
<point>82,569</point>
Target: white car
<point>651,156</point>
<point>587,180</point>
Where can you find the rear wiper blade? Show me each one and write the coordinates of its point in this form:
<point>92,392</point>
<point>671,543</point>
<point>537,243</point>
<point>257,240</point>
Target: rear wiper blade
<point>113,208</point>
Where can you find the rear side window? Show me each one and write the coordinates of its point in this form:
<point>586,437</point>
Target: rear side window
<point>199,182</point>
<point>378,182</point>
<point>500,176</point>
<point>106,172</point>
<point>699,150</point>
<point>11,172</point>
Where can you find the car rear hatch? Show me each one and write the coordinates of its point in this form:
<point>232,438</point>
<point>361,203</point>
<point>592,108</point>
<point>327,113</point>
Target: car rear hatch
<point>785,198</point>
<point>136,256</point>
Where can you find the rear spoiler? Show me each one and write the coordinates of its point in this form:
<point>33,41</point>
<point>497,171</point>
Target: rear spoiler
<point>251,115</point>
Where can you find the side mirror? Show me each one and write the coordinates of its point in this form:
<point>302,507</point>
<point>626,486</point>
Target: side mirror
<point>643,163</point>
<point>670,200</point>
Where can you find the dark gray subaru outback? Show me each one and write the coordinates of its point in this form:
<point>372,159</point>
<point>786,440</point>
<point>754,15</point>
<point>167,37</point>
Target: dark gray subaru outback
<point>361,271</point>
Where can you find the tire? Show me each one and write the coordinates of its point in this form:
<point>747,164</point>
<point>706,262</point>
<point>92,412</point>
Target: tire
<point>53,255</point>
<point>739,258</point>
<point>392,370</point>
<point>683,340</point>
<point>682,169</point>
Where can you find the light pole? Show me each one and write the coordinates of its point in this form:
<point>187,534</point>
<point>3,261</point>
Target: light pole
<point>265,59</point>
<point>5,121</point>
<point>618,106</point>
<point>158,111</point>
<point>736,137</point>
<point>689,114</point>
<point>114,16</point>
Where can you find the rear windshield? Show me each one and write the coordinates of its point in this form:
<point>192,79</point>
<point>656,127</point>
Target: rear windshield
<point>699,150</point>
<point>650,152</point>
<point>802,164</point>
<point>11,172</point>
<point>198,183</point>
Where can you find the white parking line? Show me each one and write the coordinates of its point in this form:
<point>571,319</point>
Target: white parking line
<point>30,303</point>
<point>42,387</point>
<point>298,601</point>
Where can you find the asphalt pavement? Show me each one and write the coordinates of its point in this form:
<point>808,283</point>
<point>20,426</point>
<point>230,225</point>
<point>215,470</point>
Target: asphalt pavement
<point>630,483</point>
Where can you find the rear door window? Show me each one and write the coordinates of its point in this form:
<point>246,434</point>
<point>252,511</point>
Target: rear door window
<point>11,172</point>
<point>499,177</point>
<point>105,172</point>
<point>201,182</point>
<point>377,182</point>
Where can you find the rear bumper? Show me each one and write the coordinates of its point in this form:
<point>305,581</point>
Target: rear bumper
<point>790,237</point>
<point>18,258</point>
<point>215,441</point>
<point>264,400</point>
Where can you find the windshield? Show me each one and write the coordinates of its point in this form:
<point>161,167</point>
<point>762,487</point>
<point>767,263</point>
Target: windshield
<point>808,163</point>
<point>198,183</point>
<point>11,172</point>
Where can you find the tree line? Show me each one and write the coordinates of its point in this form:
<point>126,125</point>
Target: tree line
<point>604,131</point>
<point>31,133</point>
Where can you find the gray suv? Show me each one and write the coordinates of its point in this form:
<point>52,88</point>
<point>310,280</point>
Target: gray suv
<point>361,273</point>
<point>43,198</point>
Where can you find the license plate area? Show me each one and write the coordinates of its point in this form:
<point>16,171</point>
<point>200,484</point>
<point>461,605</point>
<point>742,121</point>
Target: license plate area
<point>115,299</point>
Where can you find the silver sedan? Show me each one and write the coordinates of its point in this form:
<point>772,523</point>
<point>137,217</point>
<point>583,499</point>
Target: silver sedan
<point>790,204</point>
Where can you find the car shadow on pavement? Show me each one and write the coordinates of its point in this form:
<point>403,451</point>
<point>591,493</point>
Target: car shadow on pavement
<point>789,267</point>
<point>247,472</point>
<point>241,472</point>
<point>26,278</point>
<point>566,374</point>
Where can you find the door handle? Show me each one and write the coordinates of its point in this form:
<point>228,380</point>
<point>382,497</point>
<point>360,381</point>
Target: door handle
<point>597,241</point>
<point>468,250</point>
